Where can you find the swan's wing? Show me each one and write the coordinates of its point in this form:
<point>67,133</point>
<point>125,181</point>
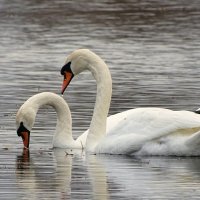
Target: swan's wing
<point>128,131</point>
<point>153,123</point>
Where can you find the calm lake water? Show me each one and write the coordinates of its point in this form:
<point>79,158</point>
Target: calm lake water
<point>153,51</point>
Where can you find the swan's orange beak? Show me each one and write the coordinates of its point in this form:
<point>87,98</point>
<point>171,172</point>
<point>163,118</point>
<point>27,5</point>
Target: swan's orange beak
<point>26,138</point>
<point>25,134</point>
<point>67,78</point>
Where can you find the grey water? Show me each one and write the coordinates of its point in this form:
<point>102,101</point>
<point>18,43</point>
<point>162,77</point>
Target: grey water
<point>152,49</point>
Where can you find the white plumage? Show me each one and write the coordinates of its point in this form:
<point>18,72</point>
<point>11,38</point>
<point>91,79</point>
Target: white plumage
<point>140,131</point>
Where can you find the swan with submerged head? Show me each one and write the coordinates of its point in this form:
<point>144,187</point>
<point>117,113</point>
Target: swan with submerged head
<point>149,131</point>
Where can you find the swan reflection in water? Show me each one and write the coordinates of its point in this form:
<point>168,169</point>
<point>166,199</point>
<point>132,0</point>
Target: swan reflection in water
<point>52,174</point>
<point>55,174</point>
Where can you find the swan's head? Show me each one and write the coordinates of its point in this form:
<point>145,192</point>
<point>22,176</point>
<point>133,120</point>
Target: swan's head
<point>76,62</point>
<point>25,119</point>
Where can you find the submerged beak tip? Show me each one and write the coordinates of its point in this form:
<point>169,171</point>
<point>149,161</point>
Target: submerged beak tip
<point>25,137</point>
<point>24,133</point>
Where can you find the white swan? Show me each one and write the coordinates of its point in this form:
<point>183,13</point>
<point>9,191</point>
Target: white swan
<point>26,114</point>
<point>149,131</point>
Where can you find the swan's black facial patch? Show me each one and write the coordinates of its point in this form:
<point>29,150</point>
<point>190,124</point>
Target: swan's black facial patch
<point>21,129</point>
<point>66,68</point>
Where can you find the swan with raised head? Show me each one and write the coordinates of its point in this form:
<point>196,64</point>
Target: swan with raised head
<point>149,131</point>
<point>26,114</point>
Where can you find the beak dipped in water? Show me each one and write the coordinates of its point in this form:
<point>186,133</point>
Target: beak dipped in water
<point>25,134</point>
<point>26,138</point>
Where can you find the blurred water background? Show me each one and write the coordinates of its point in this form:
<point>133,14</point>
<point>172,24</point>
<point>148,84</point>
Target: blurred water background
<point>152,49</point>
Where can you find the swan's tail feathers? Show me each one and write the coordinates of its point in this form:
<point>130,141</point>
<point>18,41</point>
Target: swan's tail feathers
<point>197,111</point>
<point>194,140</point>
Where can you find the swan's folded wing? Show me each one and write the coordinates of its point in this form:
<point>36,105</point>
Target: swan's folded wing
<point>153,123</point>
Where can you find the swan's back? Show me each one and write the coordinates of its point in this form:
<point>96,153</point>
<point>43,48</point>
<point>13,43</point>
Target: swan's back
<point>152,120</point>
<point>130,131</point>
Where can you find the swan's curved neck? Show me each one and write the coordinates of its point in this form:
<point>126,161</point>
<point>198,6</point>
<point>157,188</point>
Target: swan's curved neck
<point>63,135</point>
<point>103,79</point>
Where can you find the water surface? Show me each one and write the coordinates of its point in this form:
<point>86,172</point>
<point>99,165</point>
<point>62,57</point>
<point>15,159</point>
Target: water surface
<point>152,49</point>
